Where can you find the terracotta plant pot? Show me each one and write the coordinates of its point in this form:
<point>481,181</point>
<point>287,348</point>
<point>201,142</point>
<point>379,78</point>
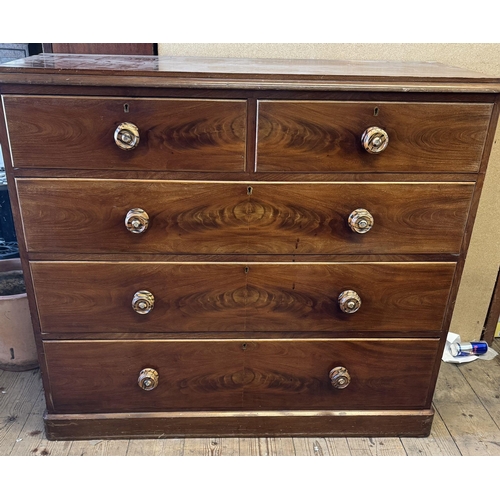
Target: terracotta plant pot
<point>17,342</point>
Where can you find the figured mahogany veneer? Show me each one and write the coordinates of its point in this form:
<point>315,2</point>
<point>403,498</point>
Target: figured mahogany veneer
<point>232,247</point>
<point>242,218</point>
<point>175,134</point>
<point>209,297</point>
<point>325,136</point>
<point>239,374</point>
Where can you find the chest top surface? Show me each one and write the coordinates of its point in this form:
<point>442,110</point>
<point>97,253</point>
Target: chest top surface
<point>64,69</point>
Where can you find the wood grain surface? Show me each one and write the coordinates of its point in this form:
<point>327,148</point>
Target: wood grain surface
<point>101,376</point>
<point>139,65</point>
<point>22,406</point>
<point>238,297</point>
<point>175,134</point>
<point>257,424</point>
<point>230,73</point>
<point>306,136</point>
<point>104,48</point>
<point>87,216</point>
<point>248,170</point>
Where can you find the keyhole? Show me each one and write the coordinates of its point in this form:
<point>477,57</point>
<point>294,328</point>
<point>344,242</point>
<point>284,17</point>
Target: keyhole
<point>375,112</point>
<point>247,269</point>
<point>249,190</point>
<point>243,346</point>
<point>126,107</point>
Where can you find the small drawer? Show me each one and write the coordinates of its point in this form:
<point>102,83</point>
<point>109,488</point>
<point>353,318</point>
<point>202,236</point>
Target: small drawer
<point>313,136</point>
<point>90,216</point>
<point>87,133</point>
<point>181,297</point>
<point>108,376</point>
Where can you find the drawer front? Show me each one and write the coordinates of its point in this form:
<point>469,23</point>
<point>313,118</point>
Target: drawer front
<point>174,134</point>
<point>238,297</point>
<point>303,136</point>
<point>102,376</point>
<point>88,216</point>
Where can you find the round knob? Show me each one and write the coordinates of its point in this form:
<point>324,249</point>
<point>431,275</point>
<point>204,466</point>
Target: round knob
<point>127,136</point>
<point>349,301</point>
<point>136,220</point>
<point>148,379</point>
<point>143,302</point>
<point>360,221</point>
<point>339,377</point>
<point>374,140</point>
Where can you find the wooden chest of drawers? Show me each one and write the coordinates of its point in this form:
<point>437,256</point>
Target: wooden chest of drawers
<point>238,247</point>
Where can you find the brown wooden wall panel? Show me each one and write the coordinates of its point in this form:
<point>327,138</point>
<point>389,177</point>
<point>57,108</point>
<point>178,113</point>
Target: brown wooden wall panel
<point>175,134</point>
<point>101,376</point>
<point>97,296</point>
<point>303,136</point>
<point>147,49</point>
<point>88,216</point>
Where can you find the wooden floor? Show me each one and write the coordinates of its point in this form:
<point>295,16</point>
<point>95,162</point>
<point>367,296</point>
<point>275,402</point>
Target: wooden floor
<point>467,422</point>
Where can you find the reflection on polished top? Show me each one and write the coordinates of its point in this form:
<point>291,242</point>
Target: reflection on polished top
<point>84,63</point>
<point>261,73</point>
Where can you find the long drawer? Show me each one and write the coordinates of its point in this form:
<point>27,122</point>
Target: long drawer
<point>174,134</point>
<point>303,136</point>
<point>103,376</point>
<point>88,216</point>
<point>238,297</point>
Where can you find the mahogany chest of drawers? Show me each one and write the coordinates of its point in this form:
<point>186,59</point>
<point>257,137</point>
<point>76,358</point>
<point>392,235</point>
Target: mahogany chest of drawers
<point>242,247</point>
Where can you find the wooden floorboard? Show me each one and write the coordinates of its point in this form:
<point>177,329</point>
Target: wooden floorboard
<point>19,394</point>
<point>376,447</point>
<point>98,447</point>
<point>249,447</point>
<point>319,447</point>
<point>472,428</point>
<point>466,422</point>
<point>156,447</point>
<point>439,443</point>
<point>33,437</point>
<point>280,446</point>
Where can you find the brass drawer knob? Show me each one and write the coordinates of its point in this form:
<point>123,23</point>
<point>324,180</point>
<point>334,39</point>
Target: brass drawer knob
<point>143,302</point>
<point>127,136</point>
<point>148,379</point>
<point>349,301</point>
<point>137,220</point>
<point>360,220</point>
<point>340,377</point>
<point>374,140</point>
